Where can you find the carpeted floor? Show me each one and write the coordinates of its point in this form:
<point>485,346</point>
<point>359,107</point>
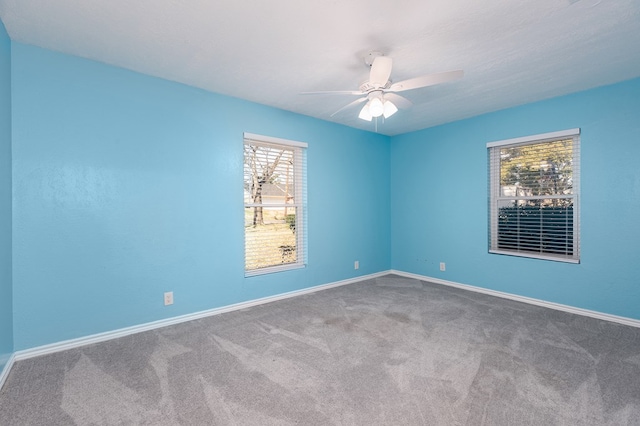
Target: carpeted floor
<point>389,351</point>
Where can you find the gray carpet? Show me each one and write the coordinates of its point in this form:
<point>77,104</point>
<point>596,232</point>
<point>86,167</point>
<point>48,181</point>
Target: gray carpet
<point>389,351</point>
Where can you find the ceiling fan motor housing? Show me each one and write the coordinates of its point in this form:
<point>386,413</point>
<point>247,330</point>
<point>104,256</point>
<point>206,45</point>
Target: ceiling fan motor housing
<point>366,86</point>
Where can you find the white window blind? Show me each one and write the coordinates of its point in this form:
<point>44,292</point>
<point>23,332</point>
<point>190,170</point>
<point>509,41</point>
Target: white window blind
<point>534,185</point>
<point>274,204</point>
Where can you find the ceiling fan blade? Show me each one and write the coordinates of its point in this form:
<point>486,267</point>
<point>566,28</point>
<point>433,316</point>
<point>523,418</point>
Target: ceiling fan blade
<point>349,105</point>
<point>334,92</point>
<point>399,101</point>
<point>380,71</point>
<point>426,80</point>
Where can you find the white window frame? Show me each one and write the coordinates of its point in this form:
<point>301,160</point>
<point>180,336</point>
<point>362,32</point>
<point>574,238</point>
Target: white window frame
<point>300,201</point>
<point>495,197</point>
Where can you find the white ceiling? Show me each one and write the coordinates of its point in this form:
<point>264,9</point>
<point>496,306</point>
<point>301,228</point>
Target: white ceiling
<point>267,51</point>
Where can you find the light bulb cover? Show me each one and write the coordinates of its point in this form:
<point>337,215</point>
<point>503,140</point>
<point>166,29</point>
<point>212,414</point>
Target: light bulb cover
<point>376,109</point>
<point>389,109</point>
<point>364,113</point>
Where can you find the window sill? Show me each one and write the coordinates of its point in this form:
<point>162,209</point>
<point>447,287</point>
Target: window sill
<point>536,256</point>
<point>274,269</point>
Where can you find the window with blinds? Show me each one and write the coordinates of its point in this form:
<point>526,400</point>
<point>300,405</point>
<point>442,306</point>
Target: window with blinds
<point>274,204</point>
<point>534,185</point>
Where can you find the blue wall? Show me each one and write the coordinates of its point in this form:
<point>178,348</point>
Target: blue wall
<point>127,186</point>
<point>439,201</point>
<point>6,309</point>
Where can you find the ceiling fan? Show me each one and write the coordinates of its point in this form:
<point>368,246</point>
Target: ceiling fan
<point>380,93</point>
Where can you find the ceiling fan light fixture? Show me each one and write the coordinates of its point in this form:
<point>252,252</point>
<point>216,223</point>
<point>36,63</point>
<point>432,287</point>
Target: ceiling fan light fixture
<point>365,114</point>
<point>389,109</point>
<point>376,108</point>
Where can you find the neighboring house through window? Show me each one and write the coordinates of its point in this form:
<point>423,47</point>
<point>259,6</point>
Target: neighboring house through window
<point>274,204</point>
<point>534,184</point>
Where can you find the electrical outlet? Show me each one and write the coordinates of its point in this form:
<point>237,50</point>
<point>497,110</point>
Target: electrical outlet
<point>168,298</point>
<point>443,267</point>
<point>356,264</point>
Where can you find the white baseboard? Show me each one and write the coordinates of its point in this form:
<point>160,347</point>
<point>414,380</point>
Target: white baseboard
<point>557,306</point>
<point>101,337</point>
<point>5,371</point>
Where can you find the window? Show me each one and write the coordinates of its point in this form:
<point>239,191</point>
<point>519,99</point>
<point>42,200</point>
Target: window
<point>274,204</point>
<point>534,184</point>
